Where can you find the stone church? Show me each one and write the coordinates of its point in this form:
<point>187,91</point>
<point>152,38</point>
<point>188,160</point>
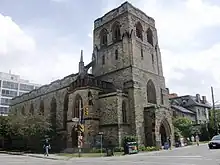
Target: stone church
<point>125,92</point>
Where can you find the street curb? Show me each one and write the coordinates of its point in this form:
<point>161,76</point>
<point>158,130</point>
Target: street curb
<point>12,153</point>
<point>46,157</point>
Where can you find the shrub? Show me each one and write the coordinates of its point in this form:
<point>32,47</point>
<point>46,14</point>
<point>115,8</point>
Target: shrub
<point>141,148</point>
<point>119,149</point>
<point>129,139</point>
<point>96,150</point>
<point>153,148</point>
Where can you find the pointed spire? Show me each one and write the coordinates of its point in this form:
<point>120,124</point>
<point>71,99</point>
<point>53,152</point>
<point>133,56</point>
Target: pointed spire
<point>81,58</point>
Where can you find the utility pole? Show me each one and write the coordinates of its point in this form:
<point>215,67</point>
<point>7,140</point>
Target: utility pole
<point>213,107</point>
<point>79,132</point>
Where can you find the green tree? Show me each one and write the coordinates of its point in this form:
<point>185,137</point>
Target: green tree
<point>183,126</point>
<point>25,129</point>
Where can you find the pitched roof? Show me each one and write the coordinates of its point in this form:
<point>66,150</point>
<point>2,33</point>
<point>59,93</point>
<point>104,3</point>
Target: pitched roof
<point>182,109</point>
<point>188,101</point>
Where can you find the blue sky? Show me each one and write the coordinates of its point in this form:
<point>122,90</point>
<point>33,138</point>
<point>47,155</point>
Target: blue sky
<point>41,39</point>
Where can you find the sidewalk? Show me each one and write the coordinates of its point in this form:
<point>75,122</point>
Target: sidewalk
<point>51,156</point>
<point>58,157</point>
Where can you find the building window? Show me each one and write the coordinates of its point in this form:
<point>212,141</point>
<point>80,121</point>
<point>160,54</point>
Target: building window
<point>103,37</point>
<point>116,54</point>
<point>4,110</point>
<point>90,98</point>
<point>42,107</point>
<point>116,35</point>
<point>198,112</point>
<point>31,111</point>
<point>162,99</point>
<point>23,111</point>
<point>65,111</point>
<point>142,54</point>
<point>103,59</point>
<point>53,113</point>
<point>139,30</point>
<point>9,93</point>
<point>77,106</point>
<point>151,92</point>
<point>10,85</point>
<point>124,115</point>
<point>150,36</point>
<point>5,101</point>
<point>152,58</point>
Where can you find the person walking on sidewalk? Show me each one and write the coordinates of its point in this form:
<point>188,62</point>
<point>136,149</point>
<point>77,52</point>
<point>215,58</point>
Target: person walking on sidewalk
<point>197,140</point>
<point>46,147</point>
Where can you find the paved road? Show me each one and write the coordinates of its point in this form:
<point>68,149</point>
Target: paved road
<point>200,155</point>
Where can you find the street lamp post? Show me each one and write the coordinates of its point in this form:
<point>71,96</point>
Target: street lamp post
<point>213,102</point>
<point>101,141</point>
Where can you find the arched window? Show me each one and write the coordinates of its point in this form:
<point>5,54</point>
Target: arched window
<point>41,107</point>
<point>31,111</point>
<point>90,98</point>
<point>139,30</point>
<point>152,58</point>
<point>150,36</point>
<point>142,53</point>
<point>23,111</point>
<point>116,54</point>
<point>65,110</point>
<point>151,93</point>
<point>53,112</point>
<point>103,59</point>
<point>103,37</point>
<point>124,115</point>
<point>78,104</point>
<point>116,34</point>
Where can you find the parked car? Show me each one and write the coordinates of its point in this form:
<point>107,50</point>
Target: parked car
<point>215,142</point>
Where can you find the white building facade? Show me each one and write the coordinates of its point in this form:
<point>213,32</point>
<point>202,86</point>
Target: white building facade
<point>12,85</point>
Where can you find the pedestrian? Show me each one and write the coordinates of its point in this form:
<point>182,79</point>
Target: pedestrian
<point>169,141</point>
<point>197,140</point>
<point>192,139</point>
<point>46,147</point>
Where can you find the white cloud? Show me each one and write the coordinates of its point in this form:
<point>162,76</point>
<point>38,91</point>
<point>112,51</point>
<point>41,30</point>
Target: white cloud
<point>12,38</point>
<point>21,53</point>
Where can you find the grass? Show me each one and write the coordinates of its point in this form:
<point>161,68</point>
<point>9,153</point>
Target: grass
<point>204,142</point>
<point>88,154</point>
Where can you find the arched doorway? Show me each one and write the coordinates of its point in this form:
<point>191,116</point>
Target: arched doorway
<point>74,138</point>
<point>165,131</point>
<point>163,135</point>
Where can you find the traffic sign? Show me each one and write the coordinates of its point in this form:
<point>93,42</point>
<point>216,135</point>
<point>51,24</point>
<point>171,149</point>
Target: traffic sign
<point>81,128</point>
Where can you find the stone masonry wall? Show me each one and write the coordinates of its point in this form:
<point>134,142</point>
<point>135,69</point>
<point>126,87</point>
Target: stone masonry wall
<point>58,95</point>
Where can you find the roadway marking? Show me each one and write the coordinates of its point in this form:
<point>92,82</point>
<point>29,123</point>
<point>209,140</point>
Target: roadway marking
<point>135,162</point>
<point>158,156</point>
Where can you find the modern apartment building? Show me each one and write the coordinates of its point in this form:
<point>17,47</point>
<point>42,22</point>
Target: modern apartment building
<point>10,86</point>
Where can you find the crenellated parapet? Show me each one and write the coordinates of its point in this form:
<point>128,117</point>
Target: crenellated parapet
<point>124,8</point>
<point>43,90</point>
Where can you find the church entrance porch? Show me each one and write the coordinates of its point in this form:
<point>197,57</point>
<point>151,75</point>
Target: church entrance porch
<point>163,135</point>
<point>165,132</point>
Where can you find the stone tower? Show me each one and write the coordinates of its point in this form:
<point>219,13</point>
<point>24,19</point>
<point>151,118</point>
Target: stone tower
<point>126,53</point>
